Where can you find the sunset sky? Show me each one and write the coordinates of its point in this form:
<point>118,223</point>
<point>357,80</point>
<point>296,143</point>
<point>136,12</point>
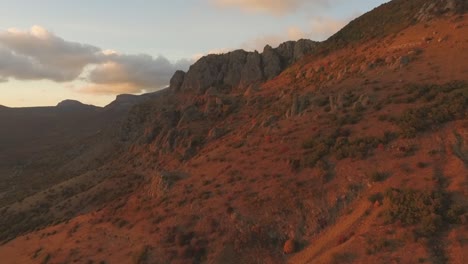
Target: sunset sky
<point>89,50</point>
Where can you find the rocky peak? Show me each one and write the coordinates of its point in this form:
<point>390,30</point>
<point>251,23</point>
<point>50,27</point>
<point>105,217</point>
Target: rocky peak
<point>177,80</point>
<point>239,68</point>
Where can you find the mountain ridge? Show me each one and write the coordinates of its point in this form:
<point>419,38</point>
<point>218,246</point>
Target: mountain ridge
<point>308,166</point>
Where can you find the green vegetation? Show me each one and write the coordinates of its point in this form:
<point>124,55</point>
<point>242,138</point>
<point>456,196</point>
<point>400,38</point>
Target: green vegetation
<point>143,255</point>
<point>376,197</point>
<point>376,245</point>
<point>378,176</point>
<point>46,259</point>
<point>449,103</point>
<point>429,211</point>
<point>339,144</point>
<point>345,257</point>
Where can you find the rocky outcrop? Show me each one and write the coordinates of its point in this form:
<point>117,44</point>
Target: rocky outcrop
<point>299,105</point>
<point>292,51</point>
<point>271,63</point>
<point>435,8</point>
<point>240,69</point>
<point>177,80</point>
<point>252,70</point>
<point>190,114</point>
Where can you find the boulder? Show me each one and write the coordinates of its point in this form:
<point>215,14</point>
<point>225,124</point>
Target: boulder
<point>289,246</point>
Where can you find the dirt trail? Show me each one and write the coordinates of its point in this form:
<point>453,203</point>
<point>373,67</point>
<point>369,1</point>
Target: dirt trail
<point>330,237</point>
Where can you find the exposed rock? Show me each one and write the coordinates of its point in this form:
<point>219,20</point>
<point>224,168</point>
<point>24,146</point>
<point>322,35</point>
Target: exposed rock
<point>240,69</point>
<point>435,8</point>
<point>212,91</point>
<point>177,80</point>
<point>292,51</point>
<point>289,246</point>
<point>336,102</point>
<point>271,63</point>
<point>232,70</point>
<point>170,140</point>
<point>216,133</point>
<point>252,70</point>
<point>299,104</point>
<point>250,91</point>
<point>212,106</point>
<point>362,102</point>
<point>271,120</point>
<point>190,114</point>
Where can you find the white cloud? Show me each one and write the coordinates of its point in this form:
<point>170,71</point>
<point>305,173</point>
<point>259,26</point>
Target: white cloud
<point>275,7</point>
<point>140,70</point>
<point>319,28</point>
<point>198,56</point>
<point>42,55</point>
<point>322,27</point>
<point>39,54</point>
<point>117,88</point>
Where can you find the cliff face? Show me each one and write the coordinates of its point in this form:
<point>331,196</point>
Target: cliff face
<point>241,69</point>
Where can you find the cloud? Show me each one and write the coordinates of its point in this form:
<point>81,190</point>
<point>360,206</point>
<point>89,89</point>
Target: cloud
<point>104,89</point>
<point>319,28</point>
<point>46,55</point>
<point>38,54</point>
<point>293,33</point>
<point>322,27</point>
<point>275,7</point>
<point>140,70</point>
<point>198,56</point>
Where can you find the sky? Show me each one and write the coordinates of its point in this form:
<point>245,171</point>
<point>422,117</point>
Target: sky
<point>88,50</point>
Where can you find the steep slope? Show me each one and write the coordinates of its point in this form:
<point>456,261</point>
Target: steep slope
<point>392,17</point>
<point>329,155</point>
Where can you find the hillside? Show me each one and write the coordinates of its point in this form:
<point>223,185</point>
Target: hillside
<point>351,150</point>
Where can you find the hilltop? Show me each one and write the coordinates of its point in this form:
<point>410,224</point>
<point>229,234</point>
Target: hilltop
<point>348,150</point>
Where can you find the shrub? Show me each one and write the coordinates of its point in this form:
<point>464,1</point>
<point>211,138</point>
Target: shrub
<point>378,176</point>
<point>376,197</point>
<point>428,210</point>
<point>451,105</point>
<point>345,257</point>
<point>46,259</point>
<point>143,255</point>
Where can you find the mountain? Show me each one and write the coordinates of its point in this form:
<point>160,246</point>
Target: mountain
<point>75,105</point>
<point>351,150</point>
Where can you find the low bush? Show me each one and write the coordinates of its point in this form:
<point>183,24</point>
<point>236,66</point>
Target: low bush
<point>429,211</point>
<point>450,104</point>
<point>376,197</point>
<point>378,176</point>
